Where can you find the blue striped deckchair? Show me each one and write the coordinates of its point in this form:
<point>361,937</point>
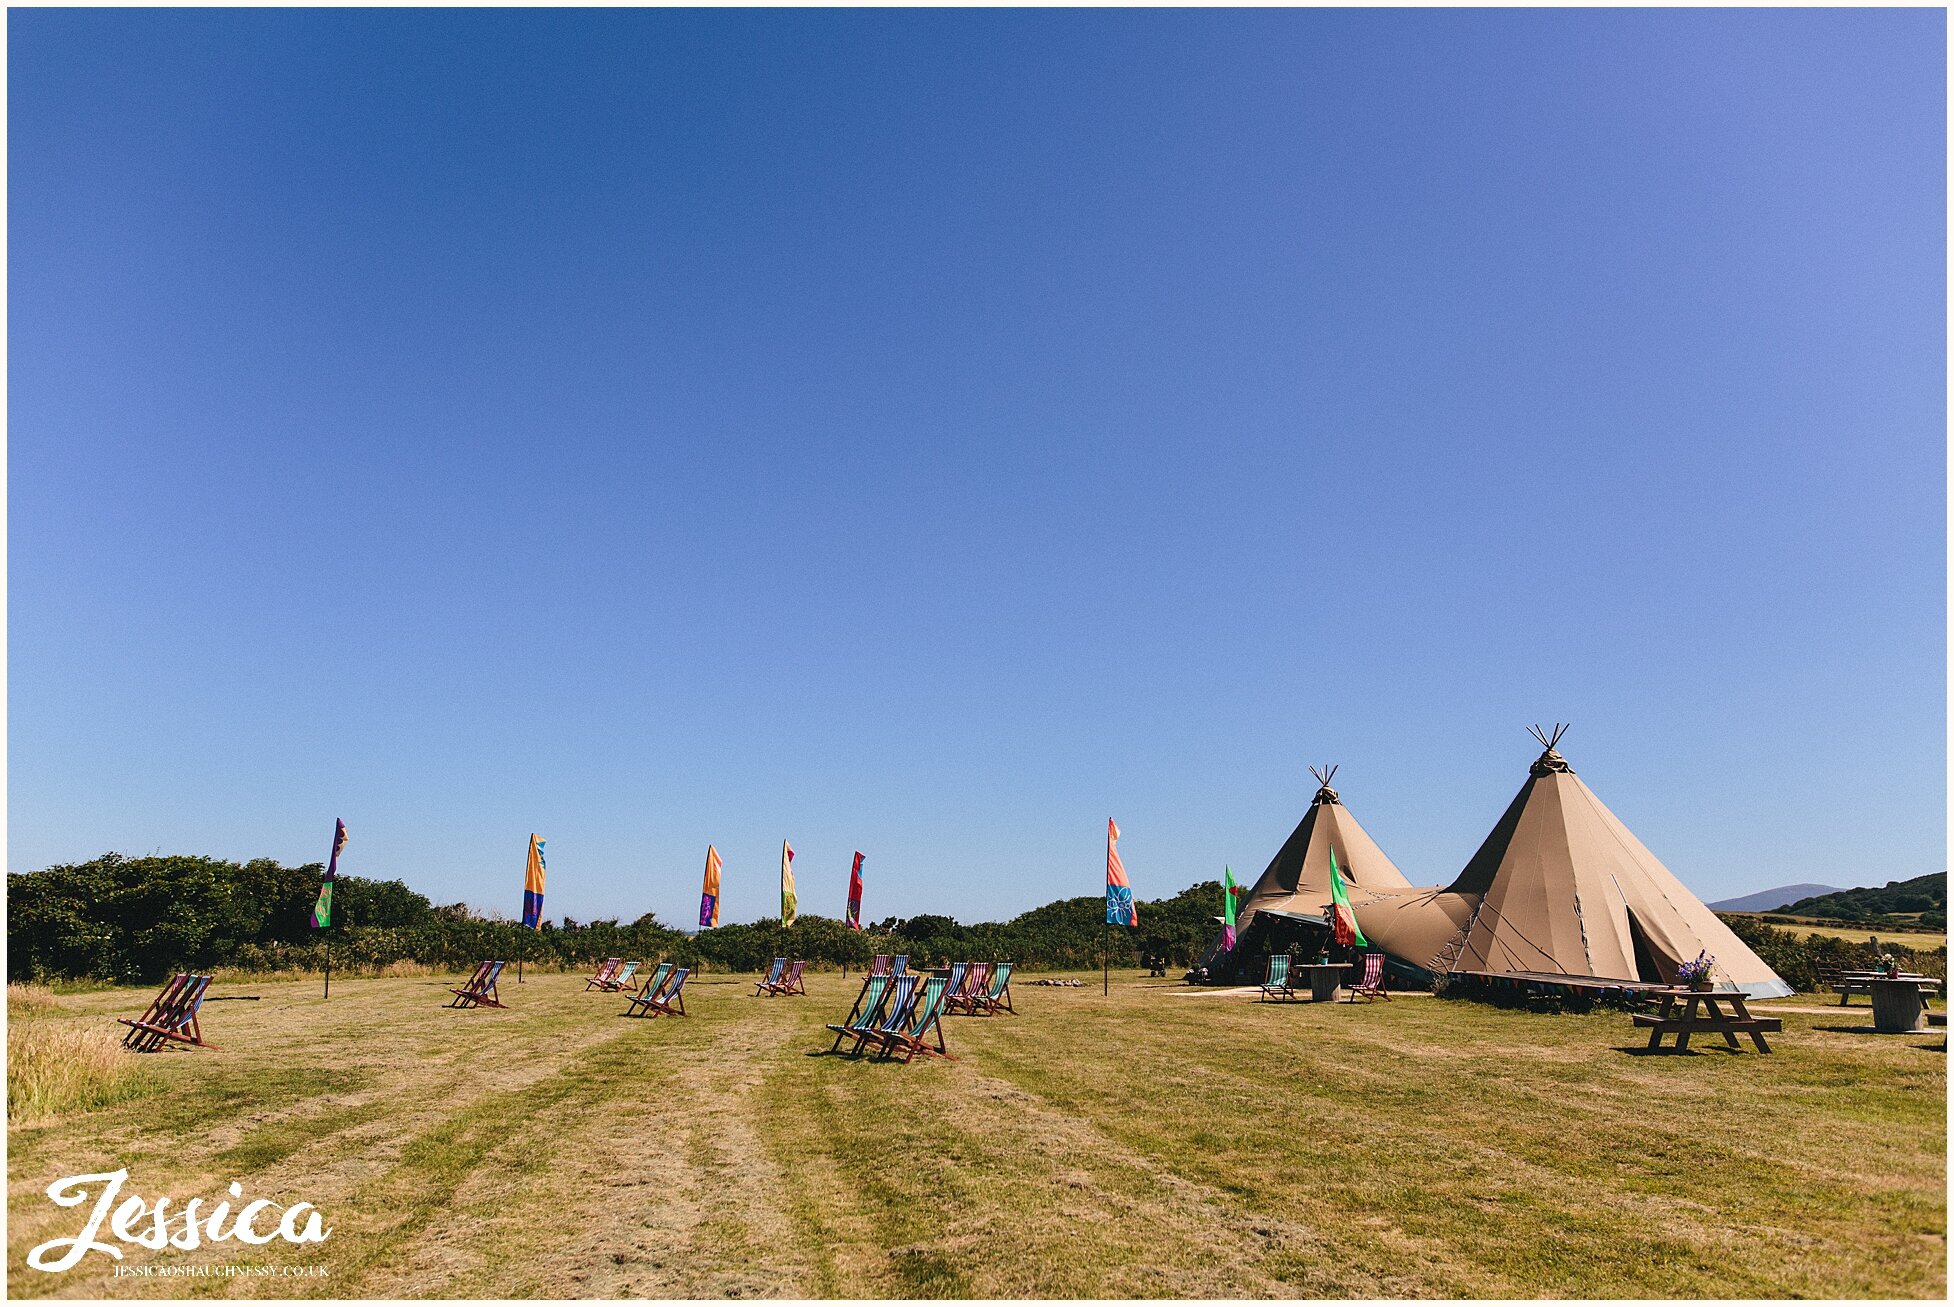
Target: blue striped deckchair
<point>953,983</point>
<point>604,973</point>
<point>172,1018</point>
<point>654,982</point>
<point>1278,983</point>
<point>791,983</point>
<point>773,978</point>
<point>998,997</point>
<point>669,1001</point>
<point>895,1009</point>
<point>480,989</point>
<point>925,1016</point>
<point>901,965</point>
<point>867,1009</point>
<point>975,981</point>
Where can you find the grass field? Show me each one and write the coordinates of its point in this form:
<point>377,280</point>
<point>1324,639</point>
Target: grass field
<point>1146,1145</point>
<point>1927,940</point>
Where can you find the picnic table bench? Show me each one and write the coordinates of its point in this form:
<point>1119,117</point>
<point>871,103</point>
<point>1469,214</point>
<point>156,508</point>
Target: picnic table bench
<point>1679,1017</point>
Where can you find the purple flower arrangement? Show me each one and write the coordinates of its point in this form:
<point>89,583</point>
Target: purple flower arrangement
<point>1696,971</point>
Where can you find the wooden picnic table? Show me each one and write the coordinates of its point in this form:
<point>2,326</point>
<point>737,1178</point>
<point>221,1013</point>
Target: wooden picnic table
<point>1679,1017</point>
<point>1848,983</point>
<point>1325,979</point>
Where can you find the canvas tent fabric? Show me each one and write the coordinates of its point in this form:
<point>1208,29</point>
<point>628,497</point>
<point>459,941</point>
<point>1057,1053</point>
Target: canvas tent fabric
<point>1562,886</point>
<point>1298,877</point>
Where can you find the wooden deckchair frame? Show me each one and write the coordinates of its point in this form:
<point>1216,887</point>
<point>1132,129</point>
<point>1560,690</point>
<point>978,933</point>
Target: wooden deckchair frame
<point>173,1016</point>
<point>926,1014</point>
<point>653,982</point>
<point>1281,981</point>
<point>772,978</point>
<point>605,971</point>
<point>662,1002</point>
<point>1370,985</point>
<point>480,991</point>
<point>879,965</point>
<point>868,1003</point>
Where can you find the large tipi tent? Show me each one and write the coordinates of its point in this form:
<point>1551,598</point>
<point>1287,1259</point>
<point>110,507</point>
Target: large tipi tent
<point>1562,887</point>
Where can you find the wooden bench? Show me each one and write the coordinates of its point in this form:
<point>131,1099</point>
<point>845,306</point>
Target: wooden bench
<point>1679,1017</point>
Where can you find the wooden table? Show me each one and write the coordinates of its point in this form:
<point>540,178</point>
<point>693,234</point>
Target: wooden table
<point>1325,979</point>
<point>1860,982</point>
<point>1900,1003</point>
<point>1679,1017</point>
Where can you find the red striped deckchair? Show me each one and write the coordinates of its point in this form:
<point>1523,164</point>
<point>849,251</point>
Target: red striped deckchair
<point>975,981</point>
<point>925,1016</point>
<point>605,972</point>
<point>480,989</point>
<point>772,978</point>
<point>174,1019</point>
<point>621,978</point>
<point>668,1001</point>
<point>997,998</point>
<point>791,983</point>
<point>895,1010</point>
<point>879,965</point>
<point>867,1009</point>
<point>1371,985</point>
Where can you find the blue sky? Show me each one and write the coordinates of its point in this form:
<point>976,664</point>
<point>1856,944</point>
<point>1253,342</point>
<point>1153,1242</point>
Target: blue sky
<point>933,433</point>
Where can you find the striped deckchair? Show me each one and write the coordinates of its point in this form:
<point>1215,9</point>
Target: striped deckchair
<point>172,1017</point>
<point>156,1006</point>
<point>669,1001</point>
<point>867,1009</point>
<point>953,983</point>
<point>1371,985</point>
<point>895,1010</point>
<point>925,1016</point>
<point>1278,983</point>
<point>996,998</point>
<point>975,981</point>
<point>773,978</point>
<point>480,989</point>
<point>654,982</point>
<point>605,972</point>
<point>879,965</point>
<point>901,967</point>
<point>791,983</point>
<point>621,977</point>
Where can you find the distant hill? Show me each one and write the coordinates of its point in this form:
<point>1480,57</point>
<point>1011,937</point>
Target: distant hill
<point>1922,894</point>
<point>1767,900</point>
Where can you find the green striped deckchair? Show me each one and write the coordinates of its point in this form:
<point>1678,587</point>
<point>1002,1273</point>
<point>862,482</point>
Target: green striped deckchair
<point>895,1010</point>
<point>1278,982</point>
<point>867,1009</point>
<point>651,999</point>
<point>913,1037</point>
<point>997,998</point>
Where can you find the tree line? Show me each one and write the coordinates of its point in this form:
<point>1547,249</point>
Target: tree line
<point>141,919</point>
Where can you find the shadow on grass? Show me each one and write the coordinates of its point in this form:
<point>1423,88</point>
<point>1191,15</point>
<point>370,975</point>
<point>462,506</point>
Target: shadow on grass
<point>1643,1050</point>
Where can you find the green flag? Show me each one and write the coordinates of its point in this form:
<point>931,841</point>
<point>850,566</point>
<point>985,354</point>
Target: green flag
<point>1343,911</point>
<point>1228,891</point>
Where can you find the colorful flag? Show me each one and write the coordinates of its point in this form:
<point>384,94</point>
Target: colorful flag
<point>709,900</point>
<point>532,885</point>
<point>322,910</point>
<point>1229,890</point>
<point>1119,895</point>
<point>1346,927</point>
<point>787,902</point>
<point>854,917</point>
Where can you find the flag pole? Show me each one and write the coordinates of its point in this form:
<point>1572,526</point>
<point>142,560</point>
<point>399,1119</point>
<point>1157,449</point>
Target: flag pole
<point>328,964</point>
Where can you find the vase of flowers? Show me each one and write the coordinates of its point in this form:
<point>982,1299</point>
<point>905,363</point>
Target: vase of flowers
<point>1889,964</point>
<point>1697,973</point>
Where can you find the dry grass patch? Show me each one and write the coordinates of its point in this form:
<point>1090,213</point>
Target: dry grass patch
<point>56,1069</point>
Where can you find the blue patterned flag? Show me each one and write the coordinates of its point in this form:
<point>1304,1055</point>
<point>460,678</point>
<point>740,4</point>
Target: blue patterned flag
<point>1119,895</point>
